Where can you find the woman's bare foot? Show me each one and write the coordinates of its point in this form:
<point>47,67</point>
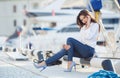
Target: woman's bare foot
<point>42,63</point>
<point>69,63</point>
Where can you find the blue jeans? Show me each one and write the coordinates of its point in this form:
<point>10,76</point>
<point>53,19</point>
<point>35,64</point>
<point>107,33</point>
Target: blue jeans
<point>77,49</point>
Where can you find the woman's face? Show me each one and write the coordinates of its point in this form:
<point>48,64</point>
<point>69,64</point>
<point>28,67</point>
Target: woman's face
<point>83,19</point>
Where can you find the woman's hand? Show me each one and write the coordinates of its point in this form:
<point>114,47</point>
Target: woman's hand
<point>66,47</point>
<point>88,22</point>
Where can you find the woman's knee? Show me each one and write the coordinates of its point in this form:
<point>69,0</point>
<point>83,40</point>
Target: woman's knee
<point>69,40</point>
<point>66,47</point>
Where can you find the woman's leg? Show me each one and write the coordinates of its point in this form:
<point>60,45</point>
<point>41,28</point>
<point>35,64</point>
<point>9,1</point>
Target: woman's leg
<point>70,52</point>
<point>56,56</point>
<point>77,49</point>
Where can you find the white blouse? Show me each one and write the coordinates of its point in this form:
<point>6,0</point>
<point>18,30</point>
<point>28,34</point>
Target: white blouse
<point>89,36</point>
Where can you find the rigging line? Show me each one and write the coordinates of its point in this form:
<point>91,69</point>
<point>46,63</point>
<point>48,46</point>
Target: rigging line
<point>22,67</point>
<point>107,38</point>
<point>117,4</point>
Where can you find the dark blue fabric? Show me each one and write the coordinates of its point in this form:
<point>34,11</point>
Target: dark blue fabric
<point>104,74</point>
<point>119,2</point>
<point>96,4</point>
<point>107,65</point>
<point>55,57</point>
<point>77,49</point>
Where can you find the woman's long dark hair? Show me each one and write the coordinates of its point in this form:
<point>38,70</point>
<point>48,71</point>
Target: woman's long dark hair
<point>84,13</point>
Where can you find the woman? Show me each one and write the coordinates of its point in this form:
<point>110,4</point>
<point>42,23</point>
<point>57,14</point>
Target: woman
<point>82,48</point>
